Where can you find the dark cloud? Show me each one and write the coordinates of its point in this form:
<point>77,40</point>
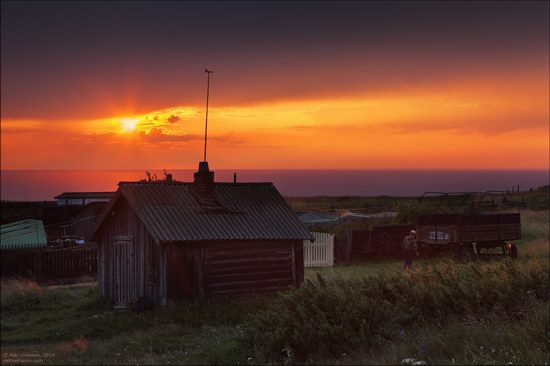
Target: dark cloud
<point>156,135</point>
<point>228,138</point>
<point>173,119</point>
<point>92,60</point>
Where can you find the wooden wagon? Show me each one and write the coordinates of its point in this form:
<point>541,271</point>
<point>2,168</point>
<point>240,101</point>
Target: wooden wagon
<point>469,232</point>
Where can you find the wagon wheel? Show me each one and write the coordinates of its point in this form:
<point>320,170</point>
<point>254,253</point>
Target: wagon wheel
<point>466,252</point>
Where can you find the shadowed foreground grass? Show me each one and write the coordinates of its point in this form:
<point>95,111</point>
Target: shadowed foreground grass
<point>327,321</point>
<point>446,312</point>
<point>72,325</point>
<point>497,340</point>
<point>327,318</point>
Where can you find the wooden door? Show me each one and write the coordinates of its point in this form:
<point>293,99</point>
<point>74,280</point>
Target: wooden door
<point>123,270</point>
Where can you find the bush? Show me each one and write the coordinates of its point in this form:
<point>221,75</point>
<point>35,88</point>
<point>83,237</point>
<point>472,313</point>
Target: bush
<point>20,295</point>
<point>331,318</point>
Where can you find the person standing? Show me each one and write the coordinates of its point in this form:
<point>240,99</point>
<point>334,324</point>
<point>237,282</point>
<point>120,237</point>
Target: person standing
<point>410,248</point>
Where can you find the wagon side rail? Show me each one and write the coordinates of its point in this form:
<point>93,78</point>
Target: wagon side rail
<point>447,229</point>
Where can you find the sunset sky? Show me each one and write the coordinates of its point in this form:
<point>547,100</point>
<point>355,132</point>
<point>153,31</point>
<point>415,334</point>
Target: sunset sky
<point>307,85</point>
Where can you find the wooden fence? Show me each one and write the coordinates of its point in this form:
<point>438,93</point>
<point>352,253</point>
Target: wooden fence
<point>379,242</point>
<point>320,253</point>
<point>44,264</point>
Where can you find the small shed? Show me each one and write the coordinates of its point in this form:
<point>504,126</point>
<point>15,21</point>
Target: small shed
<point>171,241</point>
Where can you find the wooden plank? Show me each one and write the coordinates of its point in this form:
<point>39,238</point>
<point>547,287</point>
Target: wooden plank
<point>299,260</point>
<point>278,282</point>
<point>223,257</point>
<point>248,268</point>
<point>101,271</point>
<point>267,260</point>
<point>202,270</point>
<point>141,266</point>
<point>162,274</point>
<point>282,273</point>
<point>230,291</point>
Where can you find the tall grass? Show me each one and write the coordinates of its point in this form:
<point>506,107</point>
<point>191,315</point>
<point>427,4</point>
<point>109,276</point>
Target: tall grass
<point>496,340</point>
<point>334,317</point>
<point>535,235</point>
<point>535,225</point>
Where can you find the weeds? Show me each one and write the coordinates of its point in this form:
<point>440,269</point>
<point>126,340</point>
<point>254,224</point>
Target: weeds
<point>458,340</point>
<point>535,225</point>
<point>340,316</point>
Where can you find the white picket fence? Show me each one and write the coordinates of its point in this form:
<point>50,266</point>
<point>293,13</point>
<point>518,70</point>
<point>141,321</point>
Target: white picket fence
<point>320,253</point>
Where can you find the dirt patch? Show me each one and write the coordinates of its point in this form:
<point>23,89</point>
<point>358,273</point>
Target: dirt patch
<point>79,344</point>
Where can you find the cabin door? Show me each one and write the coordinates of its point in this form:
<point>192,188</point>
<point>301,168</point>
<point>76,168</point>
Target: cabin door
<point>123,270</point>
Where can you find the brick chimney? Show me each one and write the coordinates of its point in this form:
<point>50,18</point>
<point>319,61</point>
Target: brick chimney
<point>204,181</point>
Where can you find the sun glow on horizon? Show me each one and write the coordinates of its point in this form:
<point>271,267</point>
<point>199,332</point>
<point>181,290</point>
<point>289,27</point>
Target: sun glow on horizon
<point>459,127</point>
<point>129,124</point>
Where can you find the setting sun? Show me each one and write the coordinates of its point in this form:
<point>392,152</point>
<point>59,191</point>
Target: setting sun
<point>343,90</point>
<point>129,124</point>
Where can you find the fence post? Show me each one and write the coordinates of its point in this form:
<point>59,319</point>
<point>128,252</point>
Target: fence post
<point>330,250</point>
<point>38,266</point>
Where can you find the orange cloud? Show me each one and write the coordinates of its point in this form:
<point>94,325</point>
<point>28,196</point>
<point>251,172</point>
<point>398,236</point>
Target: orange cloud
<point>464,125</point>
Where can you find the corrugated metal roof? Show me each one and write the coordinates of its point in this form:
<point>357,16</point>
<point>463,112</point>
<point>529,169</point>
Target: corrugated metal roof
<point>23,234</point>
<point>251,211</point>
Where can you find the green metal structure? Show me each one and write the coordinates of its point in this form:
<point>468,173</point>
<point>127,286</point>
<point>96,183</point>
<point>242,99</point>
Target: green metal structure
<point>23,234</point>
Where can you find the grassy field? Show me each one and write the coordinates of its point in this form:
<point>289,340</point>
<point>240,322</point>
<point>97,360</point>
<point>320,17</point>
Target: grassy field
<point>538,198</point>
<point>446,312</point>
<point>408,208</point>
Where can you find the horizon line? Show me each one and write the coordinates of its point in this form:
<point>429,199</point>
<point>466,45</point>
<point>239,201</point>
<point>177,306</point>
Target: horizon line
<point>271,169</point>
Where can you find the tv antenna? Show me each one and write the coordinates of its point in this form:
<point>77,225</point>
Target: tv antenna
<point>208,72</point>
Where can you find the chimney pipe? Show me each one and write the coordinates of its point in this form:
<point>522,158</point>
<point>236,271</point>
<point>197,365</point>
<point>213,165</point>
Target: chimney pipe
<point>235,177</point>
<point>204,180</point>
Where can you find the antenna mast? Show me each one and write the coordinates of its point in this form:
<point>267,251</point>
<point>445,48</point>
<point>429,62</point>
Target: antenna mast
<point>208,72</point>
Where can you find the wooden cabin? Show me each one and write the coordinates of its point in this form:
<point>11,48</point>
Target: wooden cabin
<point>172,242</point>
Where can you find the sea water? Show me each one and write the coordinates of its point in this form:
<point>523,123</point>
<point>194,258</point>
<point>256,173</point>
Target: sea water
<point>40,185</point>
